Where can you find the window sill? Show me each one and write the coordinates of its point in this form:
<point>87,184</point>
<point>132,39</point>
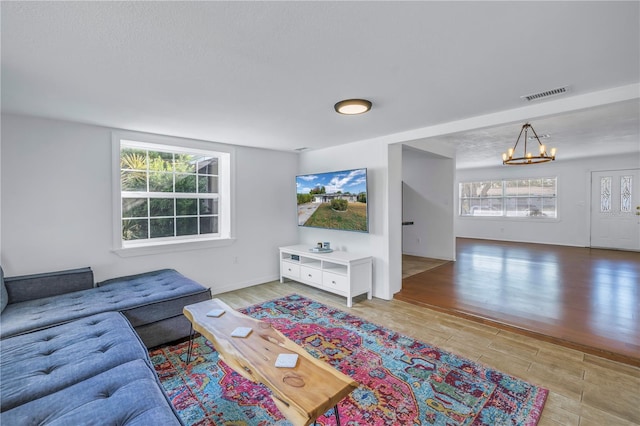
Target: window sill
<point>172,247</point>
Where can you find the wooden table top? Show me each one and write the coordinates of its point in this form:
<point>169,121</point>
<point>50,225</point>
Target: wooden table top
<point>302,393</point>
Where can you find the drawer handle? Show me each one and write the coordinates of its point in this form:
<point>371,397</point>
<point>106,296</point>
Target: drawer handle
<point>309,275</point>
<point>333,282</point>
<point>289,269</point>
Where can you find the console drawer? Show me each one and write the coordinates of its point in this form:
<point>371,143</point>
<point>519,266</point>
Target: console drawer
<point>311,275</point>
<point>335,281</point>
<point>291,270</point>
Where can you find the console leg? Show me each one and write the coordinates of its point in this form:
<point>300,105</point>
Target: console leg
<point>335,410</point>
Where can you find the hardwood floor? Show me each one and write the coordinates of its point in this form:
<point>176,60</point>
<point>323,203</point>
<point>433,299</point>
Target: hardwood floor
<point>585,299</point>
<point>585,390</point>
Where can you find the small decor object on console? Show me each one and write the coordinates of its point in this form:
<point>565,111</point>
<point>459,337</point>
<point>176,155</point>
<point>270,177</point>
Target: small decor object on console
<point>320,250</point>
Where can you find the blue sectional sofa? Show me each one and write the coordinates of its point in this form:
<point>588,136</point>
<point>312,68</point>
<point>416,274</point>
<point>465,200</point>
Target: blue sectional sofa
<point>151,301</point>
<point>75,353</point>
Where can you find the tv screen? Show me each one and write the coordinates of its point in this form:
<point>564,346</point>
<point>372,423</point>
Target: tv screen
<point>333,200</point>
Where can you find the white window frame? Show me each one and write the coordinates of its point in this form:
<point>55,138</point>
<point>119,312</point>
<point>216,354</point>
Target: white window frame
<point>226,203</point>
<point>503,197</point>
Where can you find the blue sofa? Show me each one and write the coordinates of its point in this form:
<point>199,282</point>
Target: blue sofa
<point>75,353</point>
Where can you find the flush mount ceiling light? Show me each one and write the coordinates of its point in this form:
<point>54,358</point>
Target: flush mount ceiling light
<point>528,157</point>
<point>353,106</point>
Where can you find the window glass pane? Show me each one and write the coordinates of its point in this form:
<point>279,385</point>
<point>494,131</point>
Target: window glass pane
<point>161,161</point>
<point>465,206</point>
<point>534,207</point>
<point>133,181</point>
<point>185,163</point>
<point>208,206</point>
<point>186,183</point>
<point>625,194</point>
<point>512,207</point>
<point>186,207</point>
<point>161,228</point>
<point>488,207</point>
<point>208,166</point>
<point>605,194</point>
<point>134,229</point>
<point>207,184</point>
<point>208,225</point>
<point>134,207</point>
<point>549,208</point>
<point>512,187</point>
<point>133,159</point>
<point>160,181</point>
<point>161,207</point>
<point>187,226</point>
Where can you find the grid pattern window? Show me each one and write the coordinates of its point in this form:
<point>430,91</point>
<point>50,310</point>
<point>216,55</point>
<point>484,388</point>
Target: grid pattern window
<point>168,194</point>
<point>510,198</point>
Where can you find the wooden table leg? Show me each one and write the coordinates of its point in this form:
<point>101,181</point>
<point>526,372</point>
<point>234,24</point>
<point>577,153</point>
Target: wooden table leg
<point>190,348</point>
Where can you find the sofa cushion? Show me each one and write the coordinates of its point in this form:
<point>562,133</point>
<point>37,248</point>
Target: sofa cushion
<point>128,394</point>
<point>4,296</point>
<point>37,364</point>
<point>114,295</point>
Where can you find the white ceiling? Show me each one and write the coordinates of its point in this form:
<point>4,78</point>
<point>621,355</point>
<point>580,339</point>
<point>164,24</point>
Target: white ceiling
<point>267,74</point>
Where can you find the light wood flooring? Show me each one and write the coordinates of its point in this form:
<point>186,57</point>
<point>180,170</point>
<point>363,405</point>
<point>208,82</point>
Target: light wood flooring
<point>585,390</point>
<point>412,265</point>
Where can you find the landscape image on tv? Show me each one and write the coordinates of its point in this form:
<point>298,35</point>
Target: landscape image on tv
<point>334,200</point>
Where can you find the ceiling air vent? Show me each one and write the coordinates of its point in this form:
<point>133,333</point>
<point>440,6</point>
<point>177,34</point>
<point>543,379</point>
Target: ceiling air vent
<point>301,149</point>
<point>546,94</point>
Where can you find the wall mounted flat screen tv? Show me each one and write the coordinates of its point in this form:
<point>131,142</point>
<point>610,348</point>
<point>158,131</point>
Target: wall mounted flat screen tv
<point>333,200</point>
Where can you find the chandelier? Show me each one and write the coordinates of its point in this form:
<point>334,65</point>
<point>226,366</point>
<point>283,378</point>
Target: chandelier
<point>527,157</point>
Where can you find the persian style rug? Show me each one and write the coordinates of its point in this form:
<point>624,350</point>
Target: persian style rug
<point>403,381</point>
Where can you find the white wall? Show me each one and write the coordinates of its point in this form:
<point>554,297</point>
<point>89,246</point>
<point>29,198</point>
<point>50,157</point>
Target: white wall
<point>373,156</point>
<point>572,226</point>
<point>428,203</point>
<point>56,209</point>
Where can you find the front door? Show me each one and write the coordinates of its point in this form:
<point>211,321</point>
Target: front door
<point>615,209</point>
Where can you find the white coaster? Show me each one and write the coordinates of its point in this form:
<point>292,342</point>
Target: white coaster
<point>241,332</point>
<point>215,312</point>
<point>287,360</point>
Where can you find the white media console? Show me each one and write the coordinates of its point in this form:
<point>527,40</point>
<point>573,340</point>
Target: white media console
<point>339,272</point>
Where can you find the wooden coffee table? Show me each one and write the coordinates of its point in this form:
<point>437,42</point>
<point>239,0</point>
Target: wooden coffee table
<point>302,393</point>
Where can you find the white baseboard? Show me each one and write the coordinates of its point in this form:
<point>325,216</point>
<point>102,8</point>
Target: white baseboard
<point>237,286</point>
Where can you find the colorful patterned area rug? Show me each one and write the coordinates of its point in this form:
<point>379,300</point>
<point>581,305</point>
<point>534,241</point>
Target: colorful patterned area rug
<point>402,381</point>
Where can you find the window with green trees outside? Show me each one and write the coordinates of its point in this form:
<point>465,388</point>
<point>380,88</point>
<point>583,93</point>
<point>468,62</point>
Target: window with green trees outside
<point>169,193</point>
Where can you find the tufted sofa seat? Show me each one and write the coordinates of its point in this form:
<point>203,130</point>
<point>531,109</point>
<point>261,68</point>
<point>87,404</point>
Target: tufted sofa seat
<point>94,370</point>
<point>128,394</point>
<point>151,301</point>
<point>37,364</point>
